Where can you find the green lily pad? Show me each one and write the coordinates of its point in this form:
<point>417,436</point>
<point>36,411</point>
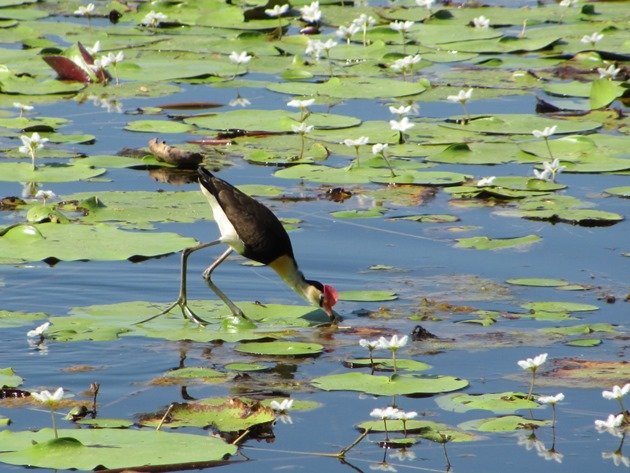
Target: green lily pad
<point>559,306</point>
<point>9,379</point>
<point>367,296</point>
<point>584,342</point>
<point>18,319</point>
<point>245,367</point>
<point>103,423</point>
<point>89,242</point>
<point>520,124</point>
<point>502,424</point>
<point>351,87</point>
<point>157,126</point>
<point>387,363</point>
<point>582,329</point>
<point>280,348</point>
<point>225,415</point>
<point>486,243</point>
<point>89,449</point>
<point>433,431</point>
<point>23,172</point>
<point>604,92</point>
<point>622,191</point>
<point>429,218</point>
<point>496,402</point>
<point>389,386</point>
<point>537,282</point>
<point>272,121</point>
<point>194,373</point>
<point>371,213</point>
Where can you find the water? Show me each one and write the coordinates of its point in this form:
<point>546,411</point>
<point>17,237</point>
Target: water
<point>338,252</point>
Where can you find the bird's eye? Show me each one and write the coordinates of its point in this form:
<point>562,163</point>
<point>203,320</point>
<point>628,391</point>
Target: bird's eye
<point>321,300</point>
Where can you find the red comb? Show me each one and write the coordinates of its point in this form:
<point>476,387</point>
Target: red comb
<point>330,293</point>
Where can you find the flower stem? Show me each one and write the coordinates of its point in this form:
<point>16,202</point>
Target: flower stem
<point>531,386</point>
<point>548,148</point>
<point>54,422</point>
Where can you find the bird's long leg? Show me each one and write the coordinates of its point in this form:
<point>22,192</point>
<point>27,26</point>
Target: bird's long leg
<point>182,299</point>
<point>207,274</point>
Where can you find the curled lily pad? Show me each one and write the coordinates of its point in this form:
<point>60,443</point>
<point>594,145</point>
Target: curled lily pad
<point>9,378</point>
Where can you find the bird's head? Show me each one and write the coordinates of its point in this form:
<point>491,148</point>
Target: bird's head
<point>323,296</point>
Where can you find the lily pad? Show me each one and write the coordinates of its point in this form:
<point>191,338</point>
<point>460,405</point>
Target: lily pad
<point>387,363</point>
<point>44,241</point>
<point>502,424</point>
<point>367,296</point>
<point>433,431</point>
<point>537,282</point>
<point>486,243</point>
<point>89,449</point>
<point>8,378</point>
<point>520,124</point>
<point>280,348</point>
<point>559,306</point>
<point>389,386</point>
<point>225,415</point>
<point>584,342</point>
<point>503,402</point>
<point>23,172</point>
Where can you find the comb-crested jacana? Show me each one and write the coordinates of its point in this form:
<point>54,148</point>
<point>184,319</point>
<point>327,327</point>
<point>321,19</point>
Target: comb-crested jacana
<point>252,230</point>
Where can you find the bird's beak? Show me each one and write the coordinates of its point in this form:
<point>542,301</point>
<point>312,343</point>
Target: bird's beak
<point>330,299</point>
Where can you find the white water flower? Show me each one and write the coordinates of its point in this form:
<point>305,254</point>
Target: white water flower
<point>617,392</point>
<point>22,107</point>
<point>568,3</point>
<point>44,195</point>
<point>608,73</point>
<point>401,125</point>
<point>401,26</point>
<point>592,39</point>
<point>30,145</point>
<point>425,3</point>
<point>39,331</point>
<point>153,19</point>
<point>346,32</point>
<point>364,21</point>
<point>611,425</point>
<point>85,10</point>
<point>296,103</point>
<point>551,399</point>
<point>371,345</point>
<point>94,49</point>
<point>389,413</point>
<point>277,10</point>
<point>45,397</point>
<point>402,110</point>
<point>240,58</point>
<point>311,13</point>
<point>462,96</point>
<point>403,415</point>
<point>405,64</point>
<point>546,133</point>
<point>394,343</point>
<point>486,181</point>
<point>282,406</point>
<point>617,457</point>
<point>360,141</point>
<point>239,102</point>
<point>379,148</point>
<point>544,175</point>
<point>481,22</point>
<point>533,364</point>
<point>550,170</point>
<point>302,128</point>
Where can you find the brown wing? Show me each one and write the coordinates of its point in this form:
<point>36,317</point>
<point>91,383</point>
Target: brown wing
<point>260,230</point>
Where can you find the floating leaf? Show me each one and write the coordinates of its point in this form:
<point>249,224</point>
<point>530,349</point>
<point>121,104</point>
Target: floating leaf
<point>194,373</point>
<point>622,191</point>
<point>584,342</point>
<point>89,449</point>
<point>486,243</point>
<point>582,329</point>
<point>367,296</point>
<point>280,348</point>
<point>422,428</point>
<point>23,172</point>
<point>604,92</point>
<point>537,282</point>
<point>351,87</point>
<point>389,386</point>
<point>157,126</point>
<point>516,124</point>
<point>495,402</point>
<point>502,424</point>
<point>8,378</point>
<point>225,415</point>
<point>387,363</point>
<point>559,306</point>
<point>85,242</point>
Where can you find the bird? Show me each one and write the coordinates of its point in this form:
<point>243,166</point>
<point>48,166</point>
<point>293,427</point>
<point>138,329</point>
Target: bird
<point>252,230</point>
